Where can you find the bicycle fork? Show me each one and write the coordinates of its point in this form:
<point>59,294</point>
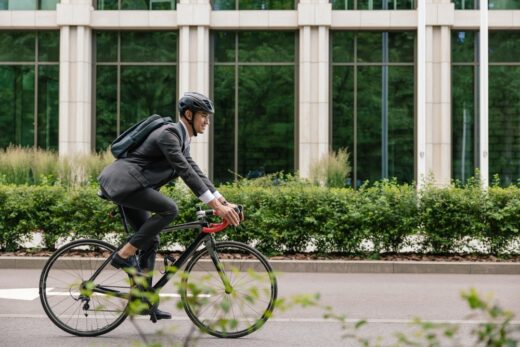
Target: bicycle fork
<point>211,247</point>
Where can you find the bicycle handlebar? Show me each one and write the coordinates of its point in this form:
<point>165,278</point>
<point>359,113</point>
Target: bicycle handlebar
<point>215,227</point>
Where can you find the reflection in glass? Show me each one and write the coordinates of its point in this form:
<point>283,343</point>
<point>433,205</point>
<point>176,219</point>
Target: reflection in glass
<point>147,90</point>
<point>224,43</point>
<point>106,106</point>
<point>266,119</point>
<point>263,79</point>
<point>373,104</point>
<point>504,47</point>
<point>504,123</point>
<point>48,106</point>
<point>343,127</point>
<point>155,46</point>
<point>104,5</point>
<point>140,90</point>
<point>504,4</point>
<point>373,4</point>
<point>369,47</point>
<point>224,124</point>
<point>400,140</point>
<point>20,5</point>
<point>17,46</point>
<point>106,46</point>
<point>265,46</point>
<point>17,105</point>
<point>49,46</point>
<point>465,4</point>
<point>220,5</point>
<point>342,46</point>
<point>463,122</point>
<point>463,46</point>
<point>369,123</point>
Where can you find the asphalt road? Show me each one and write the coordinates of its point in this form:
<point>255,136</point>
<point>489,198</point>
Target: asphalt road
<point>387,301</point>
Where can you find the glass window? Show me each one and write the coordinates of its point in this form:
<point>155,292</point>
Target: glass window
<point>104,5</point>
<point>17,46</point>
<point>254,94</point>
<point>220,5</point>
<point>138,84</point>
<point>464,112</point>
<point>465,4</point>
<point>504,106</point>
<point>373,4</point>
<point>17,5</point>
<point>504,46</point>
<point>504,122</point>
<point>145,46</point>
<point>373,103</point>
<point>504,4</point>
<point>29,97</point>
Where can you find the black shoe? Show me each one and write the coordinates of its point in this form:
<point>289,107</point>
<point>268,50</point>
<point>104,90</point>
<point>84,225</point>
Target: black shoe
<point>119,262</point>
<point>159,314</point>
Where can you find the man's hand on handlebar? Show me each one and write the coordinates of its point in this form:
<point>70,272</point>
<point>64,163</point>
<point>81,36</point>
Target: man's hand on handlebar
<point>237,208</point>
<point>226,212</point>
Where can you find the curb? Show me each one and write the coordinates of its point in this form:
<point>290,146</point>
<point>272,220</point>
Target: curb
<point>338,266</point>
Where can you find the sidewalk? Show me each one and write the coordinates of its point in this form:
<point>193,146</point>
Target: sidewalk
<point>338,266</point>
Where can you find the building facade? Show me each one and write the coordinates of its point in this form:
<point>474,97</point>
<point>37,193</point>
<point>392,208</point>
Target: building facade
<point>412,88</point>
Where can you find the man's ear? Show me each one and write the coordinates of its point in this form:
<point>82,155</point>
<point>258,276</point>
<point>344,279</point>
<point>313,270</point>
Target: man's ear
<point>188,115</point>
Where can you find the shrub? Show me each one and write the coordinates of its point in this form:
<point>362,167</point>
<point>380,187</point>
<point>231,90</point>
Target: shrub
<point>35,166</point>
<point>331,170</point>
<point>288,216</point>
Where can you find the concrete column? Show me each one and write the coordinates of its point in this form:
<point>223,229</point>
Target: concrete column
<point>438,91</point>
<point>314,19</point>
<point>194,19</point>
<point>421,95</point>
<point>484,95</point>
<point>75,129</point>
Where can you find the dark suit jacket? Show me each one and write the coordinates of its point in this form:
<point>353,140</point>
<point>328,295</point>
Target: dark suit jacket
<point>162,157</point>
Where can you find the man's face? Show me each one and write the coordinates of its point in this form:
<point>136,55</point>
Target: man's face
<point>201,121</point>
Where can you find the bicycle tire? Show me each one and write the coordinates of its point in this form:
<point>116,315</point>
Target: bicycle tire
<point>64,302</point>
<point>203,290</point>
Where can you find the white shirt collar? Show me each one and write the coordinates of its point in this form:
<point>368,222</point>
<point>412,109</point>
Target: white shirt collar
<point>188,137</point>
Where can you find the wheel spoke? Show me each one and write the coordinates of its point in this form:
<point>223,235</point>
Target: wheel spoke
<point>66,276</point>
<point>254,292</point>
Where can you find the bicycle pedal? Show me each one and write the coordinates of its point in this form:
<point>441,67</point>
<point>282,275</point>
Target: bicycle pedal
<point>153,317</point>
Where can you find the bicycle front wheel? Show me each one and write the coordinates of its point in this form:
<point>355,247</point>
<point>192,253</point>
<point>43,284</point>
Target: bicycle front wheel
<point>77,301</point>
<point>231,296</point>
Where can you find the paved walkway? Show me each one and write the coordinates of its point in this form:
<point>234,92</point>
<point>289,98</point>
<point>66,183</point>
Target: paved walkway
<point>339,266</point>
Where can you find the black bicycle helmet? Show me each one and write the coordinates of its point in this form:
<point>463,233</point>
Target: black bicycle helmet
<point>195,102</point>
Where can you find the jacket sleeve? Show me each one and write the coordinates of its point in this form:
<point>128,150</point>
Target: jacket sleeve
<point>170,145</point>
<point>199,172</point>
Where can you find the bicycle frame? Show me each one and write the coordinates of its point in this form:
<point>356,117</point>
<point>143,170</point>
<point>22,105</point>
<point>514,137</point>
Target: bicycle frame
<point>205,235</point>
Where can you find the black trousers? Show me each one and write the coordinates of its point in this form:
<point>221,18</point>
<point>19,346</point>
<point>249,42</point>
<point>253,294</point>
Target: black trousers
<point>137,207</point>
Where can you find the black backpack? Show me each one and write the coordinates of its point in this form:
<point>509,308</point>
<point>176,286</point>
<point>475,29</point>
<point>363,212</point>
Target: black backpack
<point>136,134</point>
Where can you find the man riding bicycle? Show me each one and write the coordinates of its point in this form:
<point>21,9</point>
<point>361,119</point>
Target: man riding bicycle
<point>134,181</point>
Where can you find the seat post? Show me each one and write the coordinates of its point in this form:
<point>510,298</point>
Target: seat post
<point>123,218</point>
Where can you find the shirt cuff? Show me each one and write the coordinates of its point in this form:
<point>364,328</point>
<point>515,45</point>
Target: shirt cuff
<point>217,194</point>
<point>207,196</point>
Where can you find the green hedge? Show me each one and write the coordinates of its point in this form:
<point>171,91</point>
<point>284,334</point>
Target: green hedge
<point>292,217</point>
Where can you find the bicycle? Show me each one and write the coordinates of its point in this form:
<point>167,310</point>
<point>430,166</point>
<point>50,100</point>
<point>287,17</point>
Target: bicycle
<point>228,289</point>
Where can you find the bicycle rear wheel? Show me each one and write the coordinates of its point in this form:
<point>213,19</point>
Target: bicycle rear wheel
<point>74,302</point>
<point>235,311</point>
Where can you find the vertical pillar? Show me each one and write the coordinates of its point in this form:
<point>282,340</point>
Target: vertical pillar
<point>421,94</point>
<point>73,17</point>
<point>194,19</point>
<point>314,19</point>
<point>483,90</point>
<point>438,92</point>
